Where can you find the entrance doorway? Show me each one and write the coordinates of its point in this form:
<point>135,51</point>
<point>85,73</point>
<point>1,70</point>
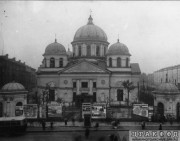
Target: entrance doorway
<point>160,109</point>
<point>178,111</point>
<point>83,98</point>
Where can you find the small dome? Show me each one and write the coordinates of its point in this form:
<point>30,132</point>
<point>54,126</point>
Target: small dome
<point>118,49</point>
<point>167,88</point>
<point>55,49</point>
<point>90,32</point>
<point>13,86</point>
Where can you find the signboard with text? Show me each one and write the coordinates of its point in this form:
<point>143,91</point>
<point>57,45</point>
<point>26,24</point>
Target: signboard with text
<point>30,110</point>
<point>99,111</point>
<point>86,109</point>
<point>18,110</point>
<point>54,110</point>
<point>154,135</point>
<point>140,109</point>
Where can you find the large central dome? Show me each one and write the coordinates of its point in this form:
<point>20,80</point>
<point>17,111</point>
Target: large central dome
<point>90,32</point>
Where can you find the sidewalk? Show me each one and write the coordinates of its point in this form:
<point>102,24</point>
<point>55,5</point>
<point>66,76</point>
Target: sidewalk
<point>79,127</point>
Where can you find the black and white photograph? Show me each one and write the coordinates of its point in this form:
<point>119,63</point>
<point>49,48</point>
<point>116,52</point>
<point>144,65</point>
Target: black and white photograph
<point>89,70</point>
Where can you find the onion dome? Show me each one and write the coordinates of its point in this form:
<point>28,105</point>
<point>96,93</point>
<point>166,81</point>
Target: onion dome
<point>118,49</point>
<point>55,49</point>
<point>13,86</point>
<point>90,32</point>
<point>167,88</point>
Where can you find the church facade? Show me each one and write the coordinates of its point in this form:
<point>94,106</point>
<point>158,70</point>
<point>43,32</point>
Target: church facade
<point>92,72</point>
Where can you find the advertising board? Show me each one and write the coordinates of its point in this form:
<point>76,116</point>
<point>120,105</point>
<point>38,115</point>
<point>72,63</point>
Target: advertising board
<point>86,109</point>
<point>99,111</point>
<point>54,110</point>
<point>140,109</point>
<point>42,111</point>
<point>18,110</point>
<point>30,110</point>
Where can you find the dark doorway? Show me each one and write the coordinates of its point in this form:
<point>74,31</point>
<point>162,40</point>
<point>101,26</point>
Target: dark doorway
<point>1,109</point>
<point>178,111</point>
<point>87,120</point>
<point>51,95</point>
<point>119,95</point>
<point>160,109</point>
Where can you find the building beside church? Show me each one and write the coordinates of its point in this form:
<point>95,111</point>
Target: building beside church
<point>92,72</point>
<point>166,100</point>
<point>13,96</point>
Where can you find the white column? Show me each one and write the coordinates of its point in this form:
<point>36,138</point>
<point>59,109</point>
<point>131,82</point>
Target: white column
<point>84,50</point>
<point>78,86</point>
<point>48,62</point>
<point>90,87</point>
<point>101,50</point>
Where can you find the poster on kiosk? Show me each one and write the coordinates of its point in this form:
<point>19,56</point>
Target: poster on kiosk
<point>99,111</point>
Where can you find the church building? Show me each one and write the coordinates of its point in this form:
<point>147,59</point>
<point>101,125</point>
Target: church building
<point>92,72</point>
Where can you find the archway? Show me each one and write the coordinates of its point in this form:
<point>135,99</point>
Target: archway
<point>160,109</point>
<point>1,109</point>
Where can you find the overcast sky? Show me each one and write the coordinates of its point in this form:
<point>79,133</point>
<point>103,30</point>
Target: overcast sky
<point>151,30</point>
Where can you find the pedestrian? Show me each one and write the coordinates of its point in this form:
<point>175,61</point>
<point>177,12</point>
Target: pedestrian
<point>73,121</point>
<point>51,124</point>
<point>96,126</point>
<point>143,125</point>
<point>171,121</point>
<point>160,126</point>
<point>43,125</point>
<point>87,133</point>
<point>65,121</point>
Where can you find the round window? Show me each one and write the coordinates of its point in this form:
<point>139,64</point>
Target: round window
<point>65,81</point>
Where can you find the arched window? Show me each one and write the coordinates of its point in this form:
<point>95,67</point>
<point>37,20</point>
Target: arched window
<point>178,111</point>
<point>88,51</point>
<point>52,62</point>
<point>118,62</point>
<point>119,95</point>
<point>97,51</point>
<point>79,50</point>
<point>61,62</point>
<point>110,62</point>
<point>45,62</point>
<point>127,62</point>
<point>19,104</point>
<point>160,108</point>
<point>1,109</point>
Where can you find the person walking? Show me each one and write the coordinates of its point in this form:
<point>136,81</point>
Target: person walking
<point>73,121</point>
<point>87,133</point>
<point>43,125</point>
<point>51,124</point>
<point>96,126</point>
<point>65,121</point>
<point>160,126</point>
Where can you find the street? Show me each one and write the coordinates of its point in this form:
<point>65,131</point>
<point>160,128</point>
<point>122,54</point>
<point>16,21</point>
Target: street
<point>64,136</point>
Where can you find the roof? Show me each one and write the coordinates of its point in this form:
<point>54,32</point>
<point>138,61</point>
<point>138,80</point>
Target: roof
<point>135,68</point>
<point>90,32</point>
<point>11,118</point>
<point>166,89</point>
<point>118,49</point>
<point>13,86</point>
<point>55,49</point>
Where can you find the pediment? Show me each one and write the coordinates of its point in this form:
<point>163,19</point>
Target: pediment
<point>84,67</point>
